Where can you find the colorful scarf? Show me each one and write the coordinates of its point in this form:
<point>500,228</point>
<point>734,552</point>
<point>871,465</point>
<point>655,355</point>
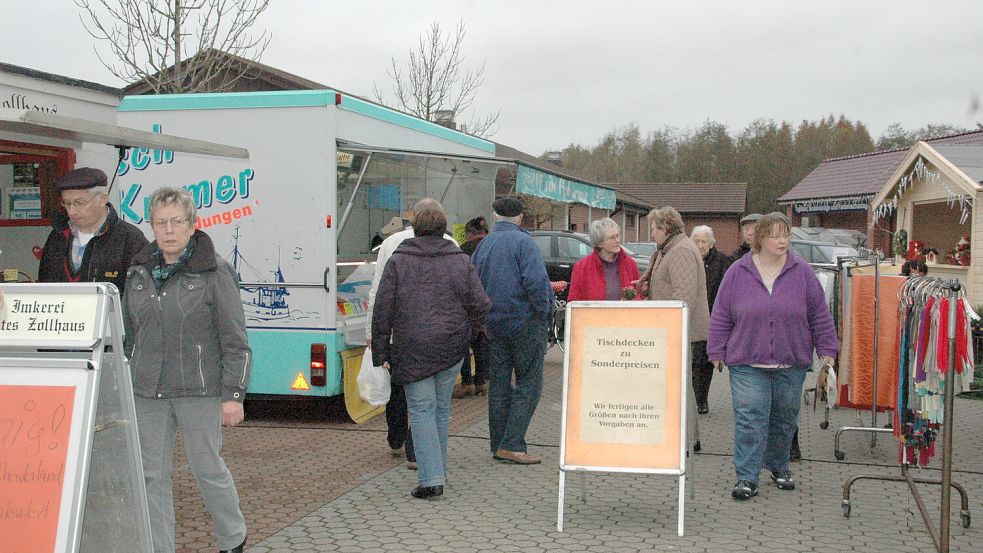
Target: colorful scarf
<point>161,271</point>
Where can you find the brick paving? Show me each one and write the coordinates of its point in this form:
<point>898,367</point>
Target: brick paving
<point>333,486</point>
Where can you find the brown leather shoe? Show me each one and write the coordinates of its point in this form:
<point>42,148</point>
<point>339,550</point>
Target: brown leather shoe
<point>480,389</point>
<point>517,457</point>
<point>462,390</point>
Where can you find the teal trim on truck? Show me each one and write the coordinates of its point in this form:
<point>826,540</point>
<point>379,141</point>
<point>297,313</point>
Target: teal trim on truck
<point>278,355</point>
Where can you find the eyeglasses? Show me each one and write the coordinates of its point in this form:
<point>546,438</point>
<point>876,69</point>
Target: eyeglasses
<point>174,222</point>
<point>77,204</point>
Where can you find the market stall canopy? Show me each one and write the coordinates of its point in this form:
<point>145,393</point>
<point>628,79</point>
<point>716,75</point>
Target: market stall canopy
<point>40,124</point>
<point>529,180</point>
<point>534,181</point>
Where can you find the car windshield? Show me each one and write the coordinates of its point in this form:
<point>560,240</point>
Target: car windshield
<point>640,248</point>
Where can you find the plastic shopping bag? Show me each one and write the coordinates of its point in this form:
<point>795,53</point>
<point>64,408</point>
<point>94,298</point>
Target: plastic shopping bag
<point>373,382</point>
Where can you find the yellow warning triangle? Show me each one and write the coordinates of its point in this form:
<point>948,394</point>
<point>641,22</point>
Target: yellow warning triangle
<point>300,383</point>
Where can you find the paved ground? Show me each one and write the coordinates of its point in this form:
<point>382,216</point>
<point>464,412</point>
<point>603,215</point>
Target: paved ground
<point>363,504</point>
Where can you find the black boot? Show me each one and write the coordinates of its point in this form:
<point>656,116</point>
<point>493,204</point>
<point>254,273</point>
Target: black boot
<point>795,454</point>
<point>237,549</point>
<point>427,492</point>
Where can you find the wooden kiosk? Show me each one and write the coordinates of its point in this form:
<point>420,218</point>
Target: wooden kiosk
<point>933,197</point>
<point>71,477</point>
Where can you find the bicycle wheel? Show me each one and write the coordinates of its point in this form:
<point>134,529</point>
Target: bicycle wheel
<point>557,331</point>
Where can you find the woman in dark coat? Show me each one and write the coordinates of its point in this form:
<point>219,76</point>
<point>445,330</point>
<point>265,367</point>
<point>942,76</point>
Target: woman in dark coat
<point>429,305</point>
<point>474,231</point>
<point>716,264</point>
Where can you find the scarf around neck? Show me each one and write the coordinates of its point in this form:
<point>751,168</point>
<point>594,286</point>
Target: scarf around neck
<point>161,271</point>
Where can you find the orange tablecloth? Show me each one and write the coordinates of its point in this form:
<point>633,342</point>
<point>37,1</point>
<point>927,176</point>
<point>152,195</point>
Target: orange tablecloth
<point>860,354</point>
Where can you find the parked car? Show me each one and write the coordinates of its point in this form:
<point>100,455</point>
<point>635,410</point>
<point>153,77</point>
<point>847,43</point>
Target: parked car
<point>642,249</point>
<point>562,249</point>
<point>815,251</point>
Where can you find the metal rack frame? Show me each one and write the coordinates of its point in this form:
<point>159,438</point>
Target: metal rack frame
<point>940,537</point>
<point>866,258</point>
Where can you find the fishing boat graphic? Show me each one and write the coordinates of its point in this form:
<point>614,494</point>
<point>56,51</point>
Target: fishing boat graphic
<point>263,303</point>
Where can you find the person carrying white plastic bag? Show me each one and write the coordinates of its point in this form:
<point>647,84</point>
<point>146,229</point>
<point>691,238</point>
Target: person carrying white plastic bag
<point>373,382</point>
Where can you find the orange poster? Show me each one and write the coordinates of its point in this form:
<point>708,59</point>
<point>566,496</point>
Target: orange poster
<point>35,425</point>
<point>624,380</point>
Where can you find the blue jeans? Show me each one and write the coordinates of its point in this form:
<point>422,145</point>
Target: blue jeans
<point>429,405</point>
<point>766,415</point>
<point>510,408</point>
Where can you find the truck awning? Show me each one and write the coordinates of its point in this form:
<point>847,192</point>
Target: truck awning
<point>40,124</point>
<point>529,180</point>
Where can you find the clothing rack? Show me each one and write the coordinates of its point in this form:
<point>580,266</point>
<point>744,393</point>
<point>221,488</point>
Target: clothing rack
<point>940,537</point>
<point>866,258</point>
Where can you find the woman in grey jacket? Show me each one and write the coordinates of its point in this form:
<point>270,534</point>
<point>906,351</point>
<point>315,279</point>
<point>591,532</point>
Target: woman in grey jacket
<point>190,360</point>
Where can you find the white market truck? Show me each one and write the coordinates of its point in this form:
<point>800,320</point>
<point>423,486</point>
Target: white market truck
<point>298,220</point>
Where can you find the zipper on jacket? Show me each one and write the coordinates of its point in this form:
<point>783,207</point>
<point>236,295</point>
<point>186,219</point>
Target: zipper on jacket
<point>242,380</point>
<point>201,375</point>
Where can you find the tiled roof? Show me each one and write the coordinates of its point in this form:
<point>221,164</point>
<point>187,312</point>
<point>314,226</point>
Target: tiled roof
<point>861,175</point>
<point>35,74</point>
<point>690,197</point>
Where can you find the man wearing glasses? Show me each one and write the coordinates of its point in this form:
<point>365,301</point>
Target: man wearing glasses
<point>88,241</point>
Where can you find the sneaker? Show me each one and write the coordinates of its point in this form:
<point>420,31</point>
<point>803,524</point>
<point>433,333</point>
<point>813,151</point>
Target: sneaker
<point>744,489</point>
<point>783,479</point>
<point>412,465</point>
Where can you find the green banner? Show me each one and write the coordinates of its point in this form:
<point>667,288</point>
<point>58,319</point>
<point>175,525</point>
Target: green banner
<point>546,185</point>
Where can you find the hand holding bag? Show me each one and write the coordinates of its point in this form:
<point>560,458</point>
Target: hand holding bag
<point>373,382</point>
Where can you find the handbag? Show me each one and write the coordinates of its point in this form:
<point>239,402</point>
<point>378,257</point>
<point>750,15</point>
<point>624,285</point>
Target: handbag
<point>373,382</point>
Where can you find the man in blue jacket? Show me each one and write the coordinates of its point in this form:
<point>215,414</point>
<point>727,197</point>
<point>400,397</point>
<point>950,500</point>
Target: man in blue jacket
<point>514,276</point>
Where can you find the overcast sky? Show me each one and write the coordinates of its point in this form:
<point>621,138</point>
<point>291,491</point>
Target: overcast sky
<point>571,71</point>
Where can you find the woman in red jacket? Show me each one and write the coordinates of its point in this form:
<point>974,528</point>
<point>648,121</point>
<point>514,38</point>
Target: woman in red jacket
<point>604,274</point>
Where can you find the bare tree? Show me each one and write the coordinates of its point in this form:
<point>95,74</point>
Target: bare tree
<point>177,45</point>
<point>539,210</point>
<point>436,82</point>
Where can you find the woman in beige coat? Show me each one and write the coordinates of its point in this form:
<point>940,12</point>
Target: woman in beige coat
<point>676,273</point>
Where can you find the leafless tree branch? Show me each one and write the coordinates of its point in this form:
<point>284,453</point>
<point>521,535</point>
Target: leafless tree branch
<point>435,79</point>
<point>147,37</point>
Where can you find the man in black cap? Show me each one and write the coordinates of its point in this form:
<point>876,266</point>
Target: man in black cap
<point>514,276</point>
<point>747,235</point>
<point>88,241</point>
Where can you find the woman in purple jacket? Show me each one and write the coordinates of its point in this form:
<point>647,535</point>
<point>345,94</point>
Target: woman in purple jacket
<point>769,316</point>
<point>429,306</point>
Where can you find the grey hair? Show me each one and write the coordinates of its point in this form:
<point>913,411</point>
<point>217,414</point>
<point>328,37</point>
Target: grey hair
<point>705,230</point>
<point>97,190</point>
<point>174,196</point>
<point>517,219</point>
<point>599,228</point>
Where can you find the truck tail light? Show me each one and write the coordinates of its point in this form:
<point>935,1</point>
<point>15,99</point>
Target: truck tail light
<point>319,366</point>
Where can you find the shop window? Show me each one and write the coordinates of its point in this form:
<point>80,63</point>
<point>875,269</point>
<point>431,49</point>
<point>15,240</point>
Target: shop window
<point>28,174</point>
<point>935,226</point>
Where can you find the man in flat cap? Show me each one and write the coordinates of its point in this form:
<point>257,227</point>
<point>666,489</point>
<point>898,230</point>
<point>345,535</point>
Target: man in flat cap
<point>88,242</point>
<point>747,235</point>
<point>514,276</point>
